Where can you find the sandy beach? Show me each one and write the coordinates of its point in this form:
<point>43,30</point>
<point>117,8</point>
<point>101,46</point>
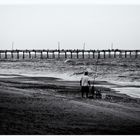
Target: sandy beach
<point>51,106</point>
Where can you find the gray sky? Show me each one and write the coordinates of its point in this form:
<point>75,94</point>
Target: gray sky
<point>42,26</point>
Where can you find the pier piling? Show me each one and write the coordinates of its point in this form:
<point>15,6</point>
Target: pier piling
<point>65,54</point>
<point>17,54</point>
<point>83,54</point>
<point>47,54</point>
<point>6,54</point>
<point>136,54</point>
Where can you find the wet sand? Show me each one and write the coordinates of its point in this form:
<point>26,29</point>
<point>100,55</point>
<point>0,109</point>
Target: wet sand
<point>51,106</point>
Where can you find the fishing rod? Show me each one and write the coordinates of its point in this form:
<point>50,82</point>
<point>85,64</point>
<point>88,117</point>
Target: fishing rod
<point>96,68</point>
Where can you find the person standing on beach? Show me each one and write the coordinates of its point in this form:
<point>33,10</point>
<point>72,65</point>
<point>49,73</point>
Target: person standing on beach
<point>85,83</point>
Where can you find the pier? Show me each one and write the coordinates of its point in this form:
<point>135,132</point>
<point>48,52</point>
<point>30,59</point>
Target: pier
<point>76,53</point>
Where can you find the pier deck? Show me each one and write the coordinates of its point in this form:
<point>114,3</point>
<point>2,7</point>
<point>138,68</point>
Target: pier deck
<point>76,53</point>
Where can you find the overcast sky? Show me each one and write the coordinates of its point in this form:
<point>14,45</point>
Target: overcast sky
<point>42,26</point>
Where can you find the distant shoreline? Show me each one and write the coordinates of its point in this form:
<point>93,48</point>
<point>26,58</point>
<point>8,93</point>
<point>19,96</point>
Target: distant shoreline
<point>37,81</point>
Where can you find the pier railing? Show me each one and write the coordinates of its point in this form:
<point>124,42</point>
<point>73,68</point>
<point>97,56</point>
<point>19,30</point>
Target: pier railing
<point>76,53</point>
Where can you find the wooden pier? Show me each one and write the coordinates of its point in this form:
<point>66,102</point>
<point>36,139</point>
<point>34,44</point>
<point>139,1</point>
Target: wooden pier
<point>47,54</point>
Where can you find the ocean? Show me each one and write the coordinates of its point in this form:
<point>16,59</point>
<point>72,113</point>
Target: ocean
<point>124,72</point>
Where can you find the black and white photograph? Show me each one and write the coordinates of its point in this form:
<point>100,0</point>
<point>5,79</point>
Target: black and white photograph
<point>69,67</point>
